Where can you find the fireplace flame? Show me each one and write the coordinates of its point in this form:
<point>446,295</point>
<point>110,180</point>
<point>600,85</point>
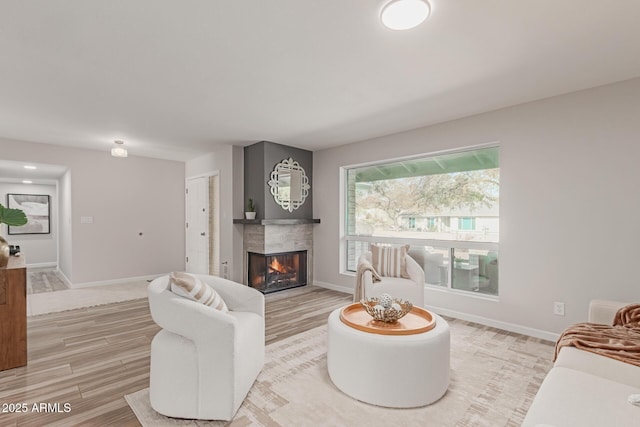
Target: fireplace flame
<point>278,267</point>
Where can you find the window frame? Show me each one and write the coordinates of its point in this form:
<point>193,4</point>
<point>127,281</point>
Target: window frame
<point>345,237</point>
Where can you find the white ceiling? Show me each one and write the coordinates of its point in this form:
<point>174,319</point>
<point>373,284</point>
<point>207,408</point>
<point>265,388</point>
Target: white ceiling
<point>176,78</point>
<point>11,171</point>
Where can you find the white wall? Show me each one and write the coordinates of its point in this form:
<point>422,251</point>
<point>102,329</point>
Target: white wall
<point>39,249</point>
<point>125,197</point>
<point>228,162</point>
<point>569,171</point>
<point>64,225</point>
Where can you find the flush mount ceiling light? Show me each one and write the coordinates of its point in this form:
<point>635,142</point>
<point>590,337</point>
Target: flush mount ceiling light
<point>26,181</point>
<point>118,150</point>
<point>404,14</point>
<point>31,167</point>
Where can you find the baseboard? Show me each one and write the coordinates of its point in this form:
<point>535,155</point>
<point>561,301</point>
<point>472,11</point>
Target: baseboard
<point>506,326</point>
<point>42,265</point>
<point>63,277</point>
<point>114,281</point>
<point>345,289</point>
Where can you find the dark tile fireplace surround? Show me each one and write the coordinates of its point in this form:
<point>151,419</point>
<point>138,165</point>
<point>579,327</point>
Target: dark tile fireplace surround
<point>278,244</point>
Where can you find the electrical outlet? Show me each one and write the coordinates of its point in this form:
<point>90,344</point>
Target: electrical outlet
<point>558,308</point>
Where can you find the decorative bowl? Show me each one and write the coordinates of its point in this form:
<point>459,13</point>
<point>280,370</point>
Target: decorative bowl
<point>388,315</point>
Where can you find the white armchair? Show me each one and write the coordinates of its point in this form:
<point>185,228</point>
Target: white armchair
<point>411,289</point>
<point>204,361</point>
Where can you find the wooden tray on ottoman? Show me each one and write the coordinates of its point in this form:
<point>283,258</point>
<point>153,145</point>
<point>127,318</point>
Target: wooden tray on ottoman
<point>417,321</point>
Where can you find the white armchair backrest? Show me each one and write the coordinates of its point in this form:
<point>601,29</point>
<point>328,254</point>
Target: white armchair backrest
<point>411,289</point>
<point>238,297</point>
<point>413,268</point>
<point>181,315</point>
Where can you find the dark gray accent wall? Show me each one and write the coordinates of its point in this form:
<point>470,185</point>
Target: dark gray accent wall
<point>259,161</point>
<point>253,173</point>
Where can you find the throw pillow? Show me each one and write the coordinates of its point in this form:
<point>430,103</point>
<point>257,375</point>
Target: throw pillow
<point>389,260</point>
<point>189,286</point>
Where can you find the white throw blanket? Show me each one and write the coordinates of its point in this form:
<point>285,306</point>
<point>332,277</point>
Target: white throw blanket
<point>363,267</point>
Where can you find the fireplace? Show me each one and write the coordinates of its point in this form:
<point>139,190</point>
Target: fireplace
<point>275,272</point>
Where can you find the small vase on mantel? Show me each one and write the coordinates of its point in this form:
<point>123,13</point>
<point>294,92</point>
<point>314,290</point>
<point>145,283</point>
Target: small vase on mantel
<point>250,213</point>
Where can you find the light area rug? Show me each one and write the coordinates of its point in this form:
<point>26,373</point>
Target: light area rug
<point>71,299</point>
<point>494,377</point>
<point>41,280</point>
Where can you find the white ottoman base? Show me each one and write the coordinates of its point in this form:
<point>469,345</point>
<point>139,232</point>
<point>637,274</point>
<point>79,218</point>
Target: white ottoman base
<point>397,371</point>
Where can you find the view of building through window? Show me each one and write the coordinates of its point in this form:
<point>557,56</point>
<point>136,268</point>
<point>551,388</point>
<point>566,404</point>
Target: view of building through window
<point>445,206</point>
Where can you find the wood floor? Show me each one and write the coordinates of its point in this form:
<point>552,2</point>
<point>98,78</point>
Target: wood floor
<point>90,358</point>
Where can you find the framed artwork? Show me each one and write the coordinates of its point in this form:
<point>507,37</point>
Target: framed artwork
<point>38,211</point>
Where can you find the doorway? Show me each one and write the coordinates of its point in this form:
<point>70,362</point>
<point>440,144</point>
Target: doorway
<point>203,225</point>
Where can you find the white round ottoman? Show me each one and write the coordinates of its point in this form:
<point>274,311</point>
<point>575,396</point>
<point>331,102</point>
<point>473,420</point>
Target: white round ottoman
<point>397,371</point>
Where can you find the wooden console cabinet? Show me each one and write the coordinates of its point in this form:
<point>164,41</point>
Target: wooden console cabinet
<point>13,314</point>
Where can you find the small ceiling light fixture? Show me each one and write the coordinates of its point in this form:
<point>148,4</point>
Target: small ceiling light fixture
<point>119,150</point>
<point>26,181</point>
<point>31,167</point>
<point>404,14</point>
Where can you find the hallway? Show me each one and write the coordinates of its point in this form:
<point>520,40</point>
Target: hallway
<point>47,293</point>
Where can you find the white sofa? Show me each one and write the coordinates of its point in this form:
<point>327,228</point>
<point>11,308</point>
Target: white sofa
<point>204,361</point>
<point>585,389</point>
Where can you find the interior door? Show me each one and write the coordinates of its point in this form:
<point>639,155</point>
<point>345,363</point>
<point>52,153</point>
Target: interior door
<point>197,243</point>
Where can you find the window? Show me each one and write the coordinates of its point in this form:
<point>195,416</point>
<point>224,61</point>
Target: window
<point>446,206</point>
<point>466,224</point>
<point>431,223</point>
<point>412,222</point>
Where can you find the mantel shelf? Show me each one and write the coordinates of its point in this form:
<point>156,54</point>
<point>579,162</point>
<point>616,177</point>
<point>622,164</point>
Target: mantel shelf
<point>283,221</point>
